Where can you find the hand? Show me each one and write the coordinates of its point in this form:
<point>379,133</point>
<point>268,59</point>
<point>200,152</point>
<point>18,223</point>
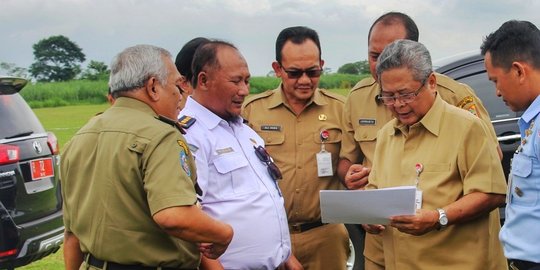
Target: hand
<point>291,264</point>
<point>373,228</point>
<point>357,177</point>
<point>422,222</point>
<point>212,251</point>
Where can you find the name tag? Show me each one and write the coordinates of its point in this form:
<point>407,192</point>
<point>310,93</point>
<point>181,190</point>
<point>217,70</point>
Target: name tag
<point>224,150</point>
<point>367,122</point>
<point>270,128</point>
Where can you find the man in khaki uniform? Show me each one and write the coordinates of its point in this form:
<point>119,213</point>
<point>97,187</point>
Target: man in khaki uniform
<point>300,125</point>
<point>364,115</point>
<point>456,224</point>
<point>128,177</point>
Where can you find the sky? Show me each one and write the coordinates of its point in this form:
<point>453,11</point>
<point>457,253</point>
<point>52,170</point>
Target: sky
<point>102,28</point>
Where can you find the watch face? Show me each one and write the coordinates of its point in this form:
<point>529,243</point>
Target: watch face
<point>443,220</point>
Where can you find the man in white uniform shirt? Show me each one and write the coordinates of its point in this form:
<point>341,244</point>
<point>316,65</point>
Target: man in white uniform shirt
<point>237,178</point>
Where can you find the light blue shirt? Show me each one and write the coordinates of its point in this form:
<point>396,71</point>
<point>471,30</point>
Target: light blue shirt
<point>520,234</point>
<point>237,189</point>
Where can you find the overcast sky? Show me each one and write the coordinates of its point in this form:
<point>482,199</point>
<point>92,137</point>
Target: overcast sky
<point>103,28</point>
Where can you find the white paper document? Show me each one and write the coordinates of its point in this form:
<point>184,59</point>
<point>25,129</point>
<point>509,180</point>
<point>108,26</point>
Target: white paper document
<point>374,206</point>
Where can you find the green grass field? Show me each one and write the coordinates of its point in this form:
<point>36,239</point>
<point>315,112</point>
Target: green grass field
<point>64,122</point>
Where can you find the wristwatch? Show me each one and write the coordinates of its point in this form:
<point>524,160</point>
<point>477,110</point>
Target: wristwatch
<point>443,219</point>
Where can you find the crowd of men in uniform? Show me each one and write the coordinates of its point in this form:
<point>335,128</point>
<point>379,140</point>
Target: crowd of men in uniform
<point>186,171</point>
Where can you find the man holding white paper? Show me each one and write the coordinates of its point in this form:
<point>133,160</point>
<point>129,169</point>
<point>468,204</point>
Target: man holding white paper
<point>447,154</point>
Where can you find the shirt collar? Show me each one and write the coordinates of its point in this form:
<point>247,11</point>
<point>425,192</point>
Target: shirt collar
<point>207,117</point>
<point>532,111</point>
<point>278,98</point>
<point>132,103</point>
<point>431,121</point>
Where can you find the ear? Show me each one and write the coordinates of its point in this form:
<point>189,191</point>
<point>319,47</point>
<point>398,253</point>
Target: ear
<point>202,80</point>
<point>151,90</point>
<point>520,70</point>
<point>432,81</point>
<point>277,68</point>
<point>322,64</point>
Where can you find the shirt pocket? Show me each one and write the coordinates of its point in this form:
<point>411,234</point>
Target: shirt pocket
<point>365,134</point>
<point>522,168</point>
<point>332,144</point>
<point>234,175</point>
<point>272,137</point>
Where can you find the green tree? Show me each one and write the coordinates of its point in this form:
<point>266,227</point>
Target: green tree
<point>56,59</point>
<point>357,68</point>
<point>95,71</point>
<point>11,69</point>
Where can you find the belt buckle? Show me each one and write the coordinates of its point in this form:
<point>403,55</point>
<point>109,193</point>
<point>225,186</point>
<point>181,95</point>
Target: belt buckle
<point>296,228</point>
<point>513,266</point>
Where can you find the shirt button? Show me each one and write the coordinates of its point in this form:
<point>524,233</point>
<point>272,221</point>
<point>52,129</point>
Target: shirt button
<point>297,190</point>
<point>299,167</point>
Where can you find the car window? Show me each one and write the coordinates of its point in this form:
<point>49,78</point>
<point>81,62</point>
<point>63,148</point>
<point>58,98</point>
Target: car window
<point>485,90</point>
<point>16,117</point>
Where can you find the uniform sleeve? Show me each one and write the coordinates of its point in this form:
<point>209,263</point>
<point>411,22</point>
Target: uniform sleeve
<point>349,147</point>
<point>477,107</point>
<point>479,163</point>
<point>166,179</point>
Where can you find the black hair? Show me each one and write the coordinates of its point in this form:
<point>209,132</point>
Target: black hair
<point>185,56</point>
<point>206,57</point>
<point>397,17</point>
<point>513,41</point>
<point>297,35</point>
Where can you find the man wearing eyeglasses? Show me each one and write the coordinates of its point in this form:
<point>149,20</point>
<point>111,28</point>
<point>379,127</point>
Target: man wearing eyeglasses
<point>236,176</point>
<point>448,155</point>
<point>365,114</point>
<point>300,125</point>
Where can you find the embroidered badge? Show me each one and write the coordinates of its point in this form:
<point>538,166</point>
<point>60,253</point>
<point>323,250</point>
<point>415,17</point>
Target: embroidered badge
<point>270,128</point>
<point>192,148</point>
<point>466,101</point>
<point>183,145</point>
<point>367,122</point>
<point>184,162</point>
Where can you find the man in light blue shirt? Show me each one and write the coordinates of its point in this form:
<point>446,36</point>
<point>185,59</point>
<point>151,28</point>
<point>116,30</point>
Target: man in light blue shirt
<point>237,178</point>
<point>512,59</point>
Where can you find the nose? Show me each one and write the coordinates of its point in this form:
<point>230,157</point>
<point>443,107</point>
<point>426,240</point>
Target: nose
<point>244,89</point>
<point>498,92</point>
<point>398,103</point>
<point>304,78</point>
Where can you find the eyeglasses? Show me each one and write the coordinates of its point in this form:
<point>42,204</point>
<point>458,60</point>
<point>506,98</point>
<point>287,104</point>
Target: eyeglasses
<point>403,98</point>
<point>273,169</point>
<point>297,73</point>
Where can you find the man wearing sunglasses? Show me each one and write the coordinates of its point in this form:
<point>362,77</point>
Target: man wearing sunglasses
<point>459,185</point>
<point>300,125</point>
<point>236,176</point>
<point>365,114</point>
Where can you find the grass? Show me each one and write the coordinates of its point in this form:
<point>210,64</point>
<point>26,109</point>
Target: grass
<point>64,122</point>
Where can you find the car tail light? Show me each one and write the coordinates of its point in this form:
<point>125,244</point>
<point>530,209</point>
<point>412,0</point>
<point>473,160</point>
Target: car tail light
<point>9,252</point>
<point>52,142</point>
<point>9,154</point>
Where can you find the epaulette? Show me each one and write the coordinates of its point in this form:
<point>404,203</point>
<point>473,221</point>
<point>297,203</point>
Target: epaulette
<point>366,82</point>
<point>447,82</point>
<point>252,98</point>
<point>332,95</point>
<point>186,121</point>
<point>171,122</point>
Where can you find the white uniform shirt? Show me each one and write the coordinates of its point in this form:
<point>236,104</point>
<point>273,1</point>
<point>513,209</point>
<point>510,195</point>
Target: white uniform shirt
<point>237,189</point>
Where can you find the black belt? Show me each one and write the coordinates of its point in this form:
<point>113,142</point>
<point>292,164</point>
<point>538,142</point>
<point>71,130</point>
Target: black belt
<point>298,228</point>
<point>95,262</point>
<point>524,265</point>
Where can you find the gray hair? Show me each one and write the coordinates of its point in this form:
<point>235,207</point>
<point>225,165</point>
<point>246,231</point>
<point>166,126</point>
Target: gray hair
<point>132,67</point>
<point>406,54</point>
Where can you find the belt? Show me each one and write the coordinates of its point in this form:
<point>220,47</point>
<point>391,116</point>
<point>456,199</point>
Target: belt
<point>523,265</point>
<point>302,227</point>
<point>95,262</point>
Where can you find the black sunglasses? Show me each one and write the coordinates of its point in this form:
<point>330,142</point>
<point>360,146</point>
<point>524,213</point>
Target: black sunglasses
<point>273,169</point>
<point>297,73</point>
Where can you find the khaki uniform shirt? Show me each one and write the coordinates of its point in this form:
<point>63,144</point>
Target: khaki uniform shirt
<point>458,158</point>
<point>364,115</point>
<point>117,172</point>
<point>293,142</point>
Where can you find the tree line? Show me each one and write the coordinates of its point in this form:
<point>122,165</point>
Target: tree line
<point>58,59</point>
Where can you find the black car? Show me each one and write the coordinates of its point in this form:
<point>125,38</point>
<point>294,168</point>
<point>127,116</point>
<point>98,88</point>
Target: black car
<point>469,69</point>
<point>31,224</point>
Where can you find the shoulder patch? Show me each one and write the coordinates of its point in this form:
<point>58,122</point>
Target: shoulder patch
<point>366,82</point>
<point>252,98</point>
<point>186,121</point>
<point>467,104</point>
<point>332,95</point>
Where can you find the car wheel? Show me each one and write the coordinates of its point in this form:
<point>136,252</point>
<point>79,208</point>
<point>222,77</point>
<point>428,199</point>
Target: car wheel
<point>356,242</point>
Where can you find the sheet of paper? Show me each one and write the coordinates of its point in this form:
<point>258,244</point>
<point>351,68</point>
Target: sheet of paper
<point>366,206</point>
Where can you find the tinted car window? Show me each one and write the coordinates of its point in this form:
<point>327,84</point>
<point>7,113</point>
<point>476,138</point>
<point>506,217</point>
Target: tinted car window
<point>17,118</point>
<point>486,92</point>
